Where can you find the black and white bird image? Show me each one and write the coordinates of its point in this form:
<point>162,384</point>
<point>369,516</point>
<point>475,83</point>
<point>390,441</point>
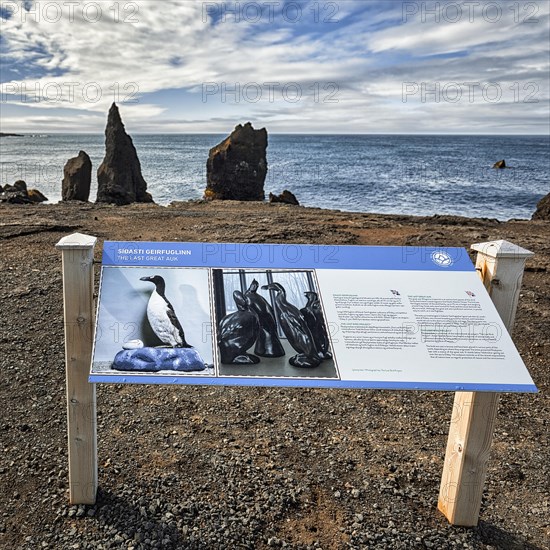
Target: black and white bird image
<point>162,317</point>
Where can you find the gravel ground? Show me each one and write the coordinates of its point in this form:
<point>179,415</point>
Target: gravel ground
<point>255,468</point>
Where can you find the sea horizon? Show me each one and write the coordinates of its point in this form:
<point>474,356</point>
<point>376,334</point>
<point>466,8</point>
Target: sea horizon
<point>38,133</point>
<point>414,174</point>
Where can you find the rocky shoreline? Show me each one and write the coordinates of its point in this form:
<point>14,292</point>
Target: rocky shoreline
<point>200,467</point>
<point>236,169</point>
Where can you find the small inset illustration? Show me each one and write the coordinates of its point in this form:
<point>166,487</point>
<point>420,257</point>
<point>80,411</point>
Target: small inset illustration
<point>271,323</point>
<point>470,293</point>
<point>395,292</point>
<point>154,320</point>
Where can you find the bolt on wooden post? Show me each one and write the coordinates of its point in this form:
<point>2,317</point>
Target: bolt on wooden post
<point>500,265</point>
<point>78,286</point>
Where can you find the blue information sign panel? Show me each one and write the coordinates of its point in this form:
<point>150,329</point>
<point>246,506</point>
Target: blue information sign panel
<point>300,315</point>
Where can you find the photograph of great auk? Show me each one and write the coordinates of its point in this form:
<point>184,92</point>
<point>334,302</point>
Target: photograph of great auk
<point>270,323</point>
<point>154,321</point>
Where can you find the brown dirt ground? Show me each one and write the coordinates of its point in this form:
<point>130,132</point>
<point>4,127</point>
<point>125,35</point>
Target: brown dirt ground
<point>322,445</point>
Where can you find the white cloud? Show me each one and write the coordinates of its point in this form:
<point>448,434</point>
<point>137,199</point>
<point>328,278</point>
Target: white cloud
<point>169,45</point>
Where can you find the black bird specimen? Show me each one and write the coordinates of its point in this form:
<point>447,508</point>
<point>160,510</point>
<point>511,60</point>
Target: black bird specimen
<point>237,333</point>
<point>313,315</point>
<point>295,329</point>
<point>268,343</point>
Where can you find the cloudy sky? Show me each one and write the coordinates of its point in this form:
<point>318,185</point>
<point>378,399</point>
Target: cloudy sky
<point>307,66</point>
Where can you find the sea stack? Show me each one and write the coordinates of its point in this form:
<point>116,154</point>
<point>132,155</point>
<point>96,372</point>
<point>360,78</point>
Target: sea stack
<point>237,167</point>
<point>77,178</point>
<point>500,164</point>
<point>119,177</point>
<point>543,209</point>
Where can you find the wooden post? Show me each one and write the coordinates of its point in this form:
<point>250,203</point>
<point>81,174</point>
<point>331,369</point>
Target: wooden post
<point>500,265</point>
<point>78,286</point>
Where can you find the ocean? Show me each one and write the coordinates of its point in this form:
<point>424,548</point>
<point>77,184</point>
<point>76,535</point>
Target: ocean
<point>399,174</point>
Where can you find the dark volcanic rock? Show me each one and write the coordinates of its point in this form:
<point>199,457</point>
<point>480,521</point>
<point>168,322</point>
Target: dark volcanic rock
<point>18,194</point>
<point>286,197</point>
<point>15,194</point>
<point>500,164</point>
<point>77,178</point>
<point>34,195</point>
<point>237,167</point>
<point>543,209</point>
<point>19,185</point>
<point>119,177</point>
<point>13,198</point>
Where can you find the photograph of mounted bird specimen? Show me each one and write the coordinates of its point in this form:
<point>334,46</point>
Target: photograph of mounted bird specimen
<point>154,320</point>
<point>162,317</point>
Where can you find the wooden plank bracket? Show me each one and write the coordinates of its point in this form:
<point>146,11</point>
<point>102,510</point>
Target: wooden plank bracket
<point>78,285</point>
<point>500,265</point>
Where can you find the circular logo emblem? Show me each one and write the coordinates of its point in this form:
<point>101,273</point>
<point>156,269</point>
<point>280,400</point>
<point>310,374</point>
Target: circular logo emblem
<point>442,258</point>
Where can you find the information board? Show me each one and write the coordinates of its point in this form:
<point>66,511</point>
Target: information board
<point>300,315</point>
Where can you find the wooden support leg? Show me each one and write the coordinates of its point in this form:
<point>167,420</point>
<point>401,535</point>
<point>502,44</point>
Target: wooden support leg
<point>467,455</point>
<point>501,266</point>
<point>78,284</point>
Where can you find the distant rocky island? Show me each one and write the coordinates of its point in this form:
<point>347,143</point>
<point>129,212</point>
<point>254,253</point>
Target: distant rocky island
<point>10,135</point>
